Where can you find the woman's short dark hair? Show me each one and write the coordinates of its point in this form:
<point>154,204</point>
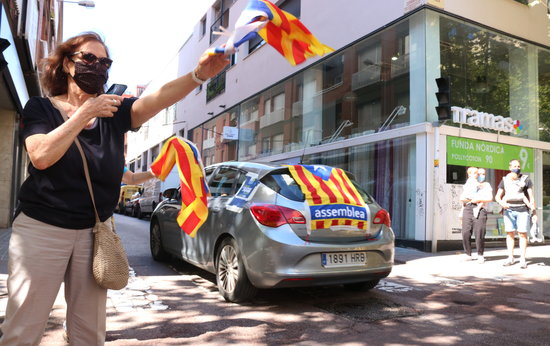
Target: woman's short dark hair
<point>53,78</point>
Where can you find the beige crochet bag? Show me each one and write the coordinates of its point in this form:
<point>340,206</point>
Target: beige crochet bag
<point>110,263</point>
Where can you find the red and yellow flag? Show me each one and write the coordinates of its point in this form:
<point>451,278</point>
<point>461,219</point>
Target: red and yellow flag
<point>278,28</point>
<point>194,191</point>
<point>290,37</point>
<point>332,198</point>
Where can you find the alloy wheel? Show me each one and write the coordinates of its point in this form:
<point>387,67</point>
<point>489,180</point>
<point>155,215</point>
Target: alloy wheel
<point>228,268</point>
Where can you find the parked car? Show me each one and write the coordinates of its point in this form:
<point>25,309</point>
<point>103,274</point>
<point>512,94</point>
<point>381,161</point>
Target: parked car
<point>266,244</point>
<point>132,205</point>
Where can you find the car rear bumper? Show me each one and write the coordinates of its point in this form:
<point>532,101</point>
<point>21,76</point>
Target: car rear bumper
<point>281,259</point>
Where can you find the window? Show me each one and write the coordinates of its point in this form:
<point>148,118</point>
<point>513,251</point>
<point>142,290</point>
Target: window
<point>215,86</point>
<point>170,114</point>
<point>145,162</point>
<point>223,182</point>
<point>284,184</point>
<point>290,6</point>
<point>221,13</point>
<point>202,28</point>
<point>154,152</point>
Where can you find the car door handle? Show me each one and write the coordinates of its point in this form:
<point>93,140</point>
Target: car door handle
<point>216,209</point>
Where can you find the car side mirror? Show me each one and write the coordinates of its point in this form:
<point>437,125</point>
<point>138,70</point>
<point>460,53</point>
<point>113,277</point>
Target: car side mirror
<point>170,193</point>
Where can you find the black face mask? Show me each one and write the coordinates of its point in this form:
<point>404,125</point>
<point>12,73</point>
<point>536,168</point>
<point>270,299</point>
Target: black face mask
<point>90,77</point>
<point>516,170</point>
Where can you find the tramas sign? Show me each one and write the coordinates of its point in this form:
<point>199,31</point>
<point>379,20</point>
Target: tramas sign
<point>485,120</point>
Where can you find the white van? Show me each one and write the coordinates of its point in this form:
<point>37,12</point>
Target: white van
<point>152,193</point>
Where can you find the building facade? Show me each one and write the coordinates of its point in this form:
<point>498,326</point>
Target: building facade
<point>370,107</point>
<point>28,32</point>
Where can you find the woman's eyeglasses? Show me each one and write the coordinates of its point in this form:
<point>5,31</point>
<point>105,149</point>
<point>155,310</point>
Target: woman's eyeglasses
<point>90,58</point>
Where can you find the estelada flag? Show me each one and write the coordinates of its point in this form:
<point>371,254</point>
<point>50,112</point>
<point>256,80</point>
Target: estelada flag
<point>332,198</point>
<point>278,28</point>
<point>193,188</point>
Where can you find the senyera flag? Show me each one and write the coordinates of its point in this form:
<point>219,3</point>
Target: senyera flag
<point>278,28</point>
<point>194,191</point>
<point>332,198</point>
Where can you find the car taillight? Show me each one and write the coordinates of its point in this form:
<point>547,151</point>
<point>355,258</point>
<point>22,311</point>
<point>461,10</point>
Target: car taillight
<point>382,217</point>
<point>274,215</point>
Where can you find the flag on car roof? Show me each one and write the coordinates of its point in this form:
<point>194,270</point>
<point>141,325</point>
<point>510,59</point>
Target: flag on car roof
<point>278,28</point>
<point>194,191</point>
<point>332,198</point>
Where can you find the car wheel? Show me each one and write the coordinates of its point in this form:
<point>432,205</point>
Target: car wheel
<point>362,286</point>
<point>155,243</point>
<point>231,277</point>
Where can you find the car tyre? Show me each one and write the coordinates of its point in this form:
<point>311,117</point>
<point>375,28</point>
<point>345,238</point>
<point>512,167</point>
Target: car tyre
<point>155,243</point>
<point>231,277</point>
<point>362,286</point>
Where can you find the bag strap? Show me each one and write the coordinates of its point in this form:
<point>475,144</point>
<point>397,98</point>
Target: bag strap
<point>84,161</point>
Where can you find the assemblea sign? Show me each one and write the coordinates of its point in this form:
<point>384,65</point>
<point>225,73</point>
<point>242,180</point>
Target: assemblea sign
<point>471,152</point>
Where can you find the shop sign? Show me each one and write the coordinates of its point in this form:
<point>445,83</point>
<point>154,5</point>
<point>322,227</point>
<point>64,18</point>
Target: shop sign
<point>471,152</point>
<point>230,133</point>
<point>485,120</point>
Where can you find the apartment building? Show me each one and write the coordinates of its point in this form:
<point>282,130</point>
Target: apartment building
<point>370,106</point>
<point>28,32</point>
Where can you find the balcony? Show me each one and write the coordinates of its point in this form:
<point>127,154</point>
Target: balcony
<point>308,105</point>
<point>400,65</point>
<point>366,77</point>
<point>272,118</point>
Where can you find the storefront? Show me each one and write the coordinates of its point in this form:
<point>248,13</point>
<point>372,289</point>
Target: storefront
<point>370,109</point>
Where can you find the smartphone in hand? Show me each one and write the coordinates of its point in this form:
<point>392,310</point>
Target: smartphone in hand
<point>117,89</point>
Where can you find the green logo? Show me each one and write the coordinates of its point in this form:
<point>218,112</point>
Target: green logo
<point>471,152</point>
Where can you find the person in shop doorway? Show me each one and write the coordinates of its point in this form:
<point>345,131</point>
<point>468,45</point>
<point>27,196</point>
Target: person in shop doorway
<point>477,192</point>
<point>511,196</point>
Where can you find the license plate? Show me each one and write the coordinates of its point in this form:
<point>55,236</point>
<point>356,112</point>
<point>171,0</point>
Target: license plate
<point>343,259</point>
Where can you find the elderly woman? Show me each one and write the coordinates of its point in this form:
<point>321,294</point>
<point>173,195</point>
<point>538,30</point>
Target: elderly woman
<point>52,238</point>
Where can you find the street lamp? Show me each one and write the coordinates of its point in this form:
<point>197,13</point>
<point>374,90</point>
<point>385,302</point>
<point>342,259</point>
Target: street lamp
<point>80,3</point>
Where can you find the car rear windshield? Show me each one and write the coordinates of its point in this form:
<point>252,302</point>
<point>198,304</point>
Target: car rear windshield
<point>285,185</point>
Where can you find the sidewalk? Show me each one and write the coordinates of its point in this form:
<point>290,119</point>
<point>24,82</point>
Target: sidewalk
<point>146,297</point>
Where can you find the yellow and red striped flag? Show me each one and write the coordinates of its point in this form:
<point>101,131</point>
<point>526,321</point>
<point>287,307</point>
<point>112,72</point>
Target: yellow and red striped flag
<point>332,198</point>
<point>194,191</point>
<point>278,28</point>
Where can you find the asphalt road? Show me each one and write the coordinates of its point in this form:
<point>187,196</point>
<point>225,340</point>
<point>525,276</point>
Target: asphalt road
<point>429,299</point>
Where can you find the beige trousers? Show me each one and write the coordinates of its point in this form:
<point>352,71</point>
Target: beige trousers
<point>41,257</point>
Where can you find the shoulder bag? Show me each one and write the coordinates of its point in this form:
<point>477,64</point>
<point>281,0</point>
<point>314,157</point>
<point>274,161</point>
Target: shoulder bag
<point>110,263</point>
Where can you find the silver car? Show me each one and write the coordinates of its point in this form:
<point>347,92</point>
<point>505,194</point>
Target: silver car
<point>261,241</point>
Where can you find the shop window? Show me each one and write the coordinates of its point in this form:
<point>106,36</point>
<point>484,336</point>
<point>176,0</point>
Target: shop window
<point>387,171</point>
<point>489,73</point>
